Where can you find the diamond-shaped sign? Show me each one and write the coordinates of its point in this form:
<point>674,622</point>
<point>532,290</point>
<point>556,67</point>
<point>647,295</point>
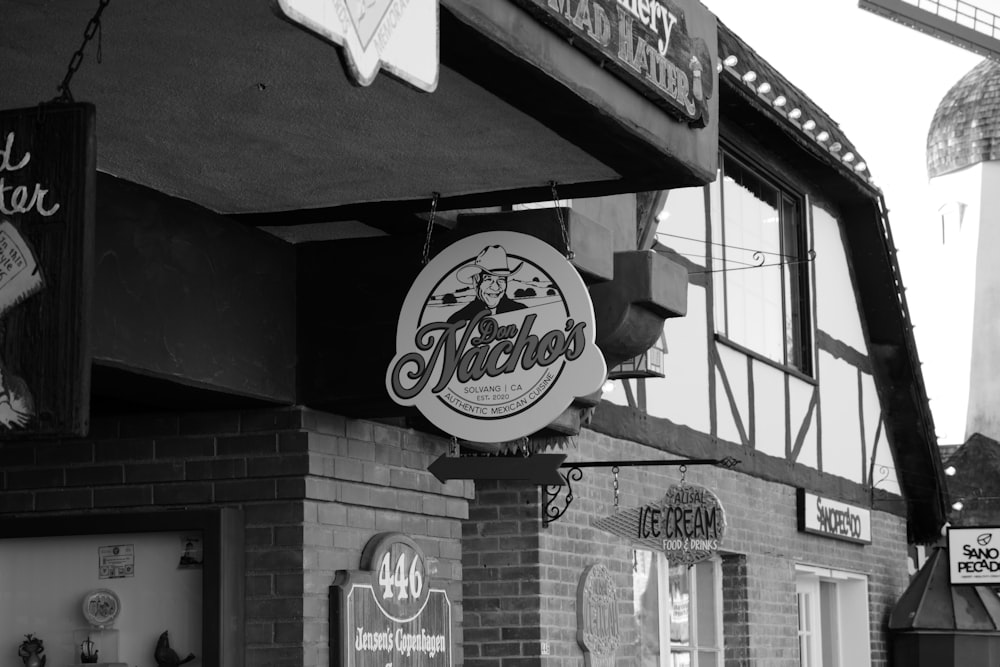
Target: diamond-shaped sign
<point>400,36</point>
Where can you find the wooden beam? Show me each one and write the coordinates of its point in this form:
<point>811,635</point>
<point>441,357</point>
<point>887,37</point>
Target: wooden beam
<point>188,296</point>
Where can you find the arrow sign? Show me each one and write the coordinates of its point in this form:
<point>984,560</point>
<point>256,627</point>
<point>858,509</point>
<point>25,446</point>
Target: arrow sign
<point>538,469</point>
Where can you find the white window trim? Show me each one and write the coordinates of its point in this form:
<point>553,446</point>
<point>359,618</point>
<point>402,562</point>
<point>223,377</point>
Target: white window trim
<point>666,647</point>
<point>853,629</point>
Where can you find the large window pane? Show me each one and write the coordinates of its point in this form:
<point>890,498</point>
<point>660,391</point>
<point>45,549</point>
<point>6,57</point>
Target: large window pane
<point>708,626</point>
<point>680,606</point>
<point>763,250</point>
<point>646,608</point>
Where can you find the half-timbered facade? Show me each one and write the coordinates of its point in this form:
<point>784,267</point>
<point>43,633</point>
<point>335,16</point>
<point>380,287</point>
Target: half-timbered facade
<point>795,358</point>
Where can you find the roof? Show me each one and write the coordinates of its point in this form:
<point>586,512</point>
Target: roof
<point>840,169</point>
<point>966,125</point>
<point>976,482</point>
<point>932,603</point>
<point>788,105</point>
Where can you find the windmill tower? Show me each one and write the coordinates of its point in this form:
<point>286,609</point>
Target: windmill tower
<point>963,167</point>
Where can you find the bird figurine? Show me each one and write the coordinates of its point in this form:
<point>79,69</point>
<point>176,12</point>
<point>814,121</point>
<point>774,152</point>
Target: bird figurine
<point>166,656</point>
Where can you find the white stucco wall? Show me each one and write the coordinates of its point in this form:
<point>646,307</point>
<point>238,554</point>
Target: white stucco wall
<point>943,321</point>
<point>836,306</point>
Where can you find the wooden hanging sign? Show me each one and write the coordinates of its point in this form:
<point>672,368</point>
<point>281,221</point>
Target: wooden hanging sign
<point>47,199</point>
<point>687,525</point>
<point>495,339</point>
<point>659,47</point>
<point>389,612</point>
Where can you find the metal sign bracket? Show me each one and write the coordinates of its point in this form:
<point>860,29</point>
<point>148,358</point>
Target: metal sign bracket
<point>551,511</point>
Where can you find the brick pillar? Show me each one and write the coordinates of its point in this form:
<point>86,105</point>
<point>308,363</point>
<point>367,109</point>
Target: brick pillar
<point>735,611</point>
<point>501,576</point>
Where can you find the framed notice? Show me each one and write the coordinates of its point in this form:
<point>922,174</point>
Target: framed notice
<point>47,197</point>
<point>388,612</point>
<point>974,555</point>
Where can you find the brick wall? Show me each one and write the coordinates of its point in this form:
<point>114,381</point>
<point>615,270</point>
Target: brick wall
<point>500,562</point>
<point>761,549</point>
<point>313,487</point>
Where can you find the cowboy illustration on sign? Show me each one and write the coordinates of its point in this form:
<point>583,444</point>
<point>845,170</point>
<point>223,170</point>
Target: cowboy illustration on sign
<point>489,274</point>
<point>495,339</point>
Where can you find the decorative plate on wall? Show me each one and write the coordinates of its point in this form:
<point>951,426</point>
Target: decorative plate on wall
<point>101,607</point>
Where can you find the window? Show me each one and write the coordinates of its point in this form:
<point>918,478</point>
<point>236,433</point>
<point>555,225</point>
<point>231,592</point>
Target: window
<point>761,269</point>
<point>677,612</point>
<point>833,618</point>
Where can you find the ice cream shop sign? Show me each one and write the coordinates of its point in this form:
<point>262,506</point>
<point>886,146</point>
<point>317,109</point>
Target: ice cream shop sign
<point>495,339</point>
<point>687,524</point>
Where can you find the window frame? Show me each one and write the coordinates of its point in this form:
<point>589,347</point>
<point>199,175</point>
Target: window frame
<point>223,569</point>
<point>796,279</point>
<point>698,646</point>
<point>833,612</point>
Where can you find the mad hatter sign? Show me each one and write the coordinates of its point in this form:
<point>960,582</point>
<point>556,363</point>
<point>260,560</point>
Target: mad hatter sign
<point>400,36</point>
<point>495,339</point>
<point>47,205</point>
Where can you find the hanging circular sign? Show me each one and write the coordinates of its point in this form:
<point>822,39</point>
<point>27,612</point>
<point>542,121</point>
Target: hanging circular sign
<point>495,339</point>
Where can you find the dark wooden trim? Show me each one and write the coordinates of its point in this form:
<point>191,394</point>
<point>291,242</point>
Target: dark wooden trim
<point>841,350</point>
<point>861,424</point>
<point>713,409</point>
<point>800,437</point>
<point>761,358</point>
<point>788,416</point>
<point>223,568</point>
<point>658,433</point>
<point>727,387</point>
<point>752,417</point>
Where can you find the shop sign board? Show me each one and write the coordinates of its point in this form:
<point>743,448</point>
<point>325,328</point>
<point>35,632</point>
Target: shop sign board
<point>832,518</point>
<point>597,630</point>
<point>974,555</point>
<point>389,612</point>
<point>495,339</point>
<point>47,203</point>
<point>687,525</point>
<point>659,47</point>
<point>400,36</point>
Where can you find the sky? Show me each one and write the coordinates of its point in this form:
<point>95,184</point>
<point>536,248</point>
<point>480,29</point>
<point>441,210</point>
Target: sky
<point>881,82</point>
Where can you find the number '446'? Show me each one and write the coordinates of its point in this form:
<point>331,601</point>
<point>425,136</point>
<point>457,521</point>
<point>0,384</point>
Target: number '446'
<point>397,582</point>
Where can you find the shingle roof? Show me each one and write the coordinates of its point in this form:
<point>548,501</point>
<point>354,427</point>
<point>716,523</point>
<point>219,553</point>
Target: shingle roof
<point>966,126</point>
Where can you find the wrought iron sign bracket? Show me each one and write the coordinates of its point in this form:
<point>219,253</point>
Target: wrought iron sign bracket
<point>551,511</point>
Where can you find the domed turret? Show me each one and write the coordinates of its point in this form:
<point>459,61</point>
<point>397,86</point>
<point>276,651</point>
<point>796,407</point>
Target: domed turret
<point>966,125</point>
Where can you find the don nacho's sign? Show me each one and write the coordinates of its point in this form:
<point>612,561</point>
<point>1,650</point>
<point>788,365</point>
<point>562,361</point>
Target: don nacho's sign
<point>495,339</point>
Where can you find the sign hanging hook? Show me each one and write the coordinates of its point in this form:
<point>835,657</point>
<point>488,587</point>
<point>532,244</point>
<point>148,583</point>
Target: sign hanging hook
<point>683,470</point>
